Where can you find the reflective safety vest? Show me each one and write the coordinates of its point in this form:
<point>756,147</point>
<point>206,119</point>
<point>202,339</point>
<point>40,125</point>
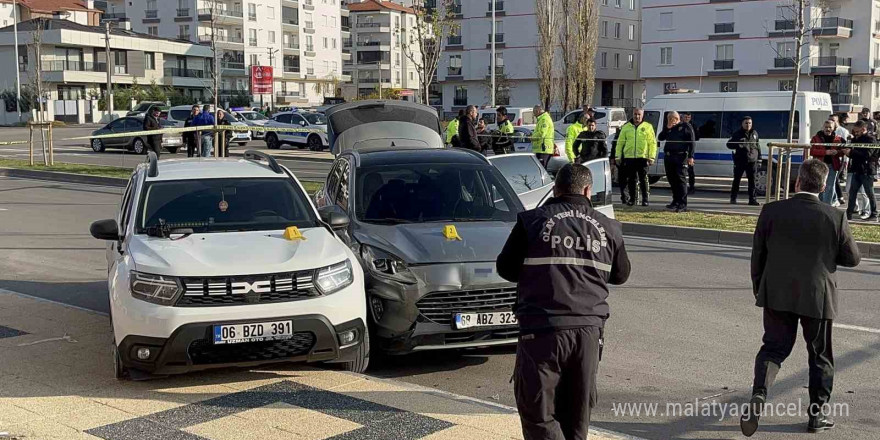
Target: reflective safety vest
<point>451,130</point>
<point>573,131</point>
<point>542,136</point>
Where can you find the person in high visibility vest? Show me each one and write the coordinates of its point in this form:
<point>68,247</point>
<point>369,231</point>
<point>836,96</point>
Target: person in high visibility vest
<point>452,129</point>
<point>573,131</point>
<point>502,144</point>
<point>542,136</point>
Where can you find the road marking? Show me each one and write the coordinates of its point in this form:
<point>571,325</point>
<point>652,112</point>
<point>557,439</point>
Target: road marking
<point>857,328</point>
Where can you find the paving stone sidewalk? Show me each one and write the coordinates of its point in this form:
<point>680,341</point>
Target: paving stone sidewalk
<point>56,383</point>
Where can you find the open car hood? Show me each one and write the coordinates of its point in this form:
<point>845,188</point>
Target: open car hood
<point>375,124</point>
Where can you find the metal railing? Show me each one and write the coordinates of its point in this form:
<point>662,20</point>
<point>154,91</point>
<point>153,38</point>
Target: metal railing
<point>287,94</point>
<point>115,16</point>
<point>454,41</point>
<point>220,39</point>
<point>252,17</point>
<point>499,6</point>
<point>499,70</point>
<point>234,13</point>
<point>290,20</point>
<point>831,62</point>
<point>291,69</point>
<point>499,38</point>
<point>370,24</point>
<point>785,25</point>
<point>151,13</point>
<point>72,66</point>
<point>184,73</point>
<point>238,65</point>
<point>184,12</point>
<point>784,63</point>
<point>833,22</point>
<point>291,45</point>
<point>310,25</point>
<point>844,98</point>
<point>252,42</point>
<point>310,47</point>
<point>724,28</point>
<point>310,70</point>
<point>454,71</point>
<point>723,64</point>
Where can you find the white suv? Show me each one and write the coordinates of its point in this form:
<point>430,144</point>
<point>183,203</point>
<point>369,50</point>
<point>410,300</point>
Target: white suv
<point>225,262</point>
<point>313,135</point>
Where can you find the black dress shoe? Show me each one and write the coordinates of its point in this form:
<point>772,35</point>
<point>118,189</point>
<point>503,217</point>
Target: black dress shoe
<point>754,203</point>
<point>733,201</point>
<point>630,204</point>
<point>681,209</point>
<point>748,424</point>
<point>819,423</point>
<point>644,203</point>
<point>671,206</point>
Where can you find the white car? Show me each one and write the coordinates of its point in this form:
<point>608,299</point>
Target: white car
<point>225,262</point>
<point>315,137</point>
<point>253,119</point>
<point>522,143</point>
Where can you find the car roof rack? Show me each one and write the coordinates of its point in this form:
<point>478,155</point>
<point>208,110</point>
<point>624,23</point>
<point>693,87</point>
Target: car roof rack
<point>258,156</point>
<point>153,168</point>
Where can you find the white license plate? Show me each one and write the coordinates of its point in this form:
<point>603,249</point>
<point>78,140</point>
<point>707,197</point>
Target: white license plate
<point>471,320</point>
<point>253,332</point>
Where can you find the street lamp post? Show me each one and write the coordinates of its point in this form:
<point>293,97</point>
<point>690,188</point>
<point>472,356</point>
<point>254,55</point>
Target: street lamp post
<point>492,61</point>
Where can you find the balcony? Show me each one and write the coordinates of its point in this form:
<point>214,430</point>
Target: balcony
<point>371,80</point>
<point>232,65</point>
<point>832,65</point>
<point>454,43</point>
<point>291,46</point>
<point>784,63</point>
<point>221,39</point>
<point>115,16</point>
<point>291,69</point>
<point>72,66</point>
<point>845,99</point>
<point>724,28</point>
<point>310,27</point>
<point>252,42</point>
<point>184,73</point>
<point>456,9</point>
<point>289,94</point>
<point>290,21</point>
<point>454,73</point>
<point>499,70</point>
<point>221,15</point>
<point>833,27</point>
<point>499,7</point>
<point>499,38</point>
<point>151,13</point>
<point>782,28</point>
<point>252,17</point>
<point>877,29</point>
<point>310,71</point>
<point>183,13</point>
<point>723,64</point>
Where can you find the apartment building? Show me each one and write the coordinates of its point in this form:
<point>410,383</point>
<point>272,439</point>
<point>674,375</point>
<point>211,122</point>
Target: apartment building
<point>85,12</point>
<point>748,46</point>
<point>378,59</point>
<point>464,69</point>
<point>300,39</point>
<point>74,59</point>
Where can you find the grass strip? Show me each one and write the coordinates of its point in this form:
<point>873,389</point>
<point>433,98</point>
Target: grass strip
<point>73,168</point>
<point>725,222</point>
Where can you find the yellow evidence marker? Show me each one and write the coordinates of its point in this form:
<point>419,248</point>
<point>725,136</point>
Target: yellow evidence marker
<point>292,233</point>
<point>451,233</point>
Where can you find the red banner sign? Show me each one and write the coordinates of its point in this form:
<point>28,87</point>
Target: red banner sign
<point>261,80</point>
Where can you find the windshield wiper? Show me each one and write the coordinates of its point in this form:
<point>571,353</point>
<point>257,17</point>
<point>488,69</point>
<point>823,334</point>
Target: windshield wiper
<point>388,220</point>
<point>164,230</point>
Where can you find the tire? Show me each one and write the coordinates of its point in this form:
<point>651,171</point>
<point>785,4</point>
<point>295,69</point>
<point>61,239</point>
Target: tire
<point>362,362</point>
<point>172,150</point>
<point>139,146</point>
<point>272,141</point>
<point>97,145</point>
<point>314,143</point>
<point>119,370</point>
<point>654,179</point>
<point>761,181</point>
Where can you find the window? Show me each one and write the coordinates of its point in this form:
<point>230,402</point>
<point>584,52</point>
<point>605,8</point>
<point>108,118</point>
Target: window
<point>412,76</point>
<point>617,61</point>
<point>150,60</point>
<point>724,52</point>
<point>617,3</point>
<point>631,61</point>
<point>252,33</point>
<point>724,16</point>
<point>786,85</point>
<point>153,30</point>
<point>183,31</point>
<point>334,43</point>
<point>335,67</point>
<point>603,63</point>
<point>604,28</point>
<point>151,5</point>
<point>621,91</point>
<point>255,59</point>
<point>785,49</point>
<point>669,87</point>
<point>270,12</point>
<point>460,96</point>
<point>769,124</point>
<point>326,45</point>
<point>877,89</point>
<point>727,86</point>
<point>455,65</point>
<point>120,59</point>
<point>708,124</point>
<point>522,172</point>
<point>272,37</point>
<point>665,56</point>
<point>617,30</point>
<point>604,2</point>
<point>310,46</point>
<point>632,32</point>
<point>632,5</point>
<point>665,21</point>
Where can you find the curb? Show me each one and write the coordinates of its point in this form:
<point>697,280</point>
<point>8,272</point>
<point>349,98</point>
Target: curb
<point>716,236</point>
<point>56,176</point>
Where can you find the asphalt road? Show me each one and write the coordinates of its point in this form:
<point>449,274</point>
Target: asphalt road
<point>683,328</point>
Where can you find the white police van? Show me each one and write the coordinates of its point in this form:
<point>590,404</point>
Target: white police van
<point>224,262</point>
<point>716,116</point>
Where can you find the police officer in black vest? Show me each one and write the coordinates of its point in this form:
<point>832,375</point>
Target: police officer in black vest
<point>563,255</point>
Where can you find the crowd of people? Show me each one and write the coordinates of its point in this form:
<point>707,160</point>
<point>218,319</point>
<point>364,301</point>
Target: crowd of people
<point>198,143</point>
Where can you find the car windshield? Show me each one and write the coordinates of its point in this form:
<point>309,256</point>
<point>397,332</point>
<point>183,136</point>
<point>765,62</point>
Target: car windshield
<point>253,116</point>
<point>315,118</point>
<point>224,205</point>
<point>419,193</point>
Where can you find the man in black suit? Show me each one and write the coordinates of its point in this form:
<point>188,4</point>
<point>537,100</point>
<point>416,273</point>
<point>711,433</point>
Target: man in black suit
<point>798,245</point>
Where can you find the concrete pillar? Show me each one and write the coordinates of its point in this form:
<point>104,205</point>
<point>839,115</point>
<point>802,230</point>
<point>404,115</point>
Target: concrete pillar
<point>80,111</point>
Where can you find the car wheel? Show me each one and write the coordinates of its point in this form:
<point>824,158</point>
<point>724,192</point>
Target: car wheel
<point>172,150</point>
<point>97,145</point>
<point>362,361</point>
<point>139,146</point>
<point>314,143</point>
<point>272,142</point>
<point>119,370</point>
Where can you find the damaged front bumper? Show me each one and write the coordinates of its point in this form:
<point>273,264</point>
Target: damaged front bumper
<point>420,316</point>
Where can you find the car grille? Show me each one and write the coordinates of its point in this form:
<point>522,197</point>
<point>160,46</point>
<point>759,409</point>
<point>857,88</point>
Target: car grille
<point>439,306</point>
<point>253,289</point>
<point>204,352</point>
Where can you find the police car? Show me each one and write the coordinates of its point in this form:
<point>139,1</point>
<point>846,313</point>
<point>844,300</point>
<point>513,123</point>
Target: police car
<point>227,262</point>
<point>313,135</point>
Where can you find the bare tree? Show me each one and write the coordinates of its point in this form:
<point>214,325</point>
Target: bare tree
<point>503,84</point>
<point>435,20</point>
<point>586,60</point>
<point>36,80</point>
<point>547,21</point>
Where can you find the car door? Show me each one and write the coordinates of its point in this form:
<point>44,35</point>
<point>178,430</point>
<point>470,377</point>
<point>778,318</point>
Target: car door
<point>522,142</point>
<point>326,195</point>
<point>602,193</point>
<point>130,125</point>
<point>299,122</point>
<point>114,127</point>
<point>123,215</point>
<point>526,176</point>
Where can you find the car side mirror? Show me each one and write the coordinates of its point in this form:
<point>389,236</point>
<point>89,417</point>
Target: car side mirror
<point>105,230</point>
<point>303,123</point>
<point>334,216</point>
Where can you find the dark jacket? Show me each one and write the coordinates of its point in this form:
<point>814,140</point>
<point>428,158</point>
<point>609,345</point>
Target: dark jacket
<point>818,151</point>
<point>746,147</point>
<point>189,136</point>
<point>864,160</point>
<point>467,134</point>
<point>696,132</point>
<point>811,236</point>
<point>872,126</point>
<point>563,255</point>
<point>590,145</point>
<point>679,140</point>
<point>152,123</point>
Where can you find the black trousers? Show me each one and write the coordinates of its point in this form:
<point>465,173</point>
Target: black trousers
<point>543,158</point>
<point>555,383</point>
<point>191,147</point>
<point>692,179</point>
<point>632,171</point>
<point>676,173</point>
<point>154,144</point>
<point>780,333</point>
<point>749,168</point>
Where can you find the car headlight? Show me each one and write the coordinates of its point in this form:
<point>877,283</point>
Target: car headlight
<point>332,279</point>
<point>386,265</point>
<point>157,289</point>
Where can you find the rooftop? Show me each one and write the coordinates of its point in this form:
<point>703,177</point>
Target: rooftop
<point>58,24</point>
<point>378,5</point>
<point>197,168</point>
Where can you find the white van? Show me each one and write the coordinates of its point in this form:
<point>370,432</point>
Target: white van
<point>518,116</point>
<point>608,119</point>
<point>716,116</point>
